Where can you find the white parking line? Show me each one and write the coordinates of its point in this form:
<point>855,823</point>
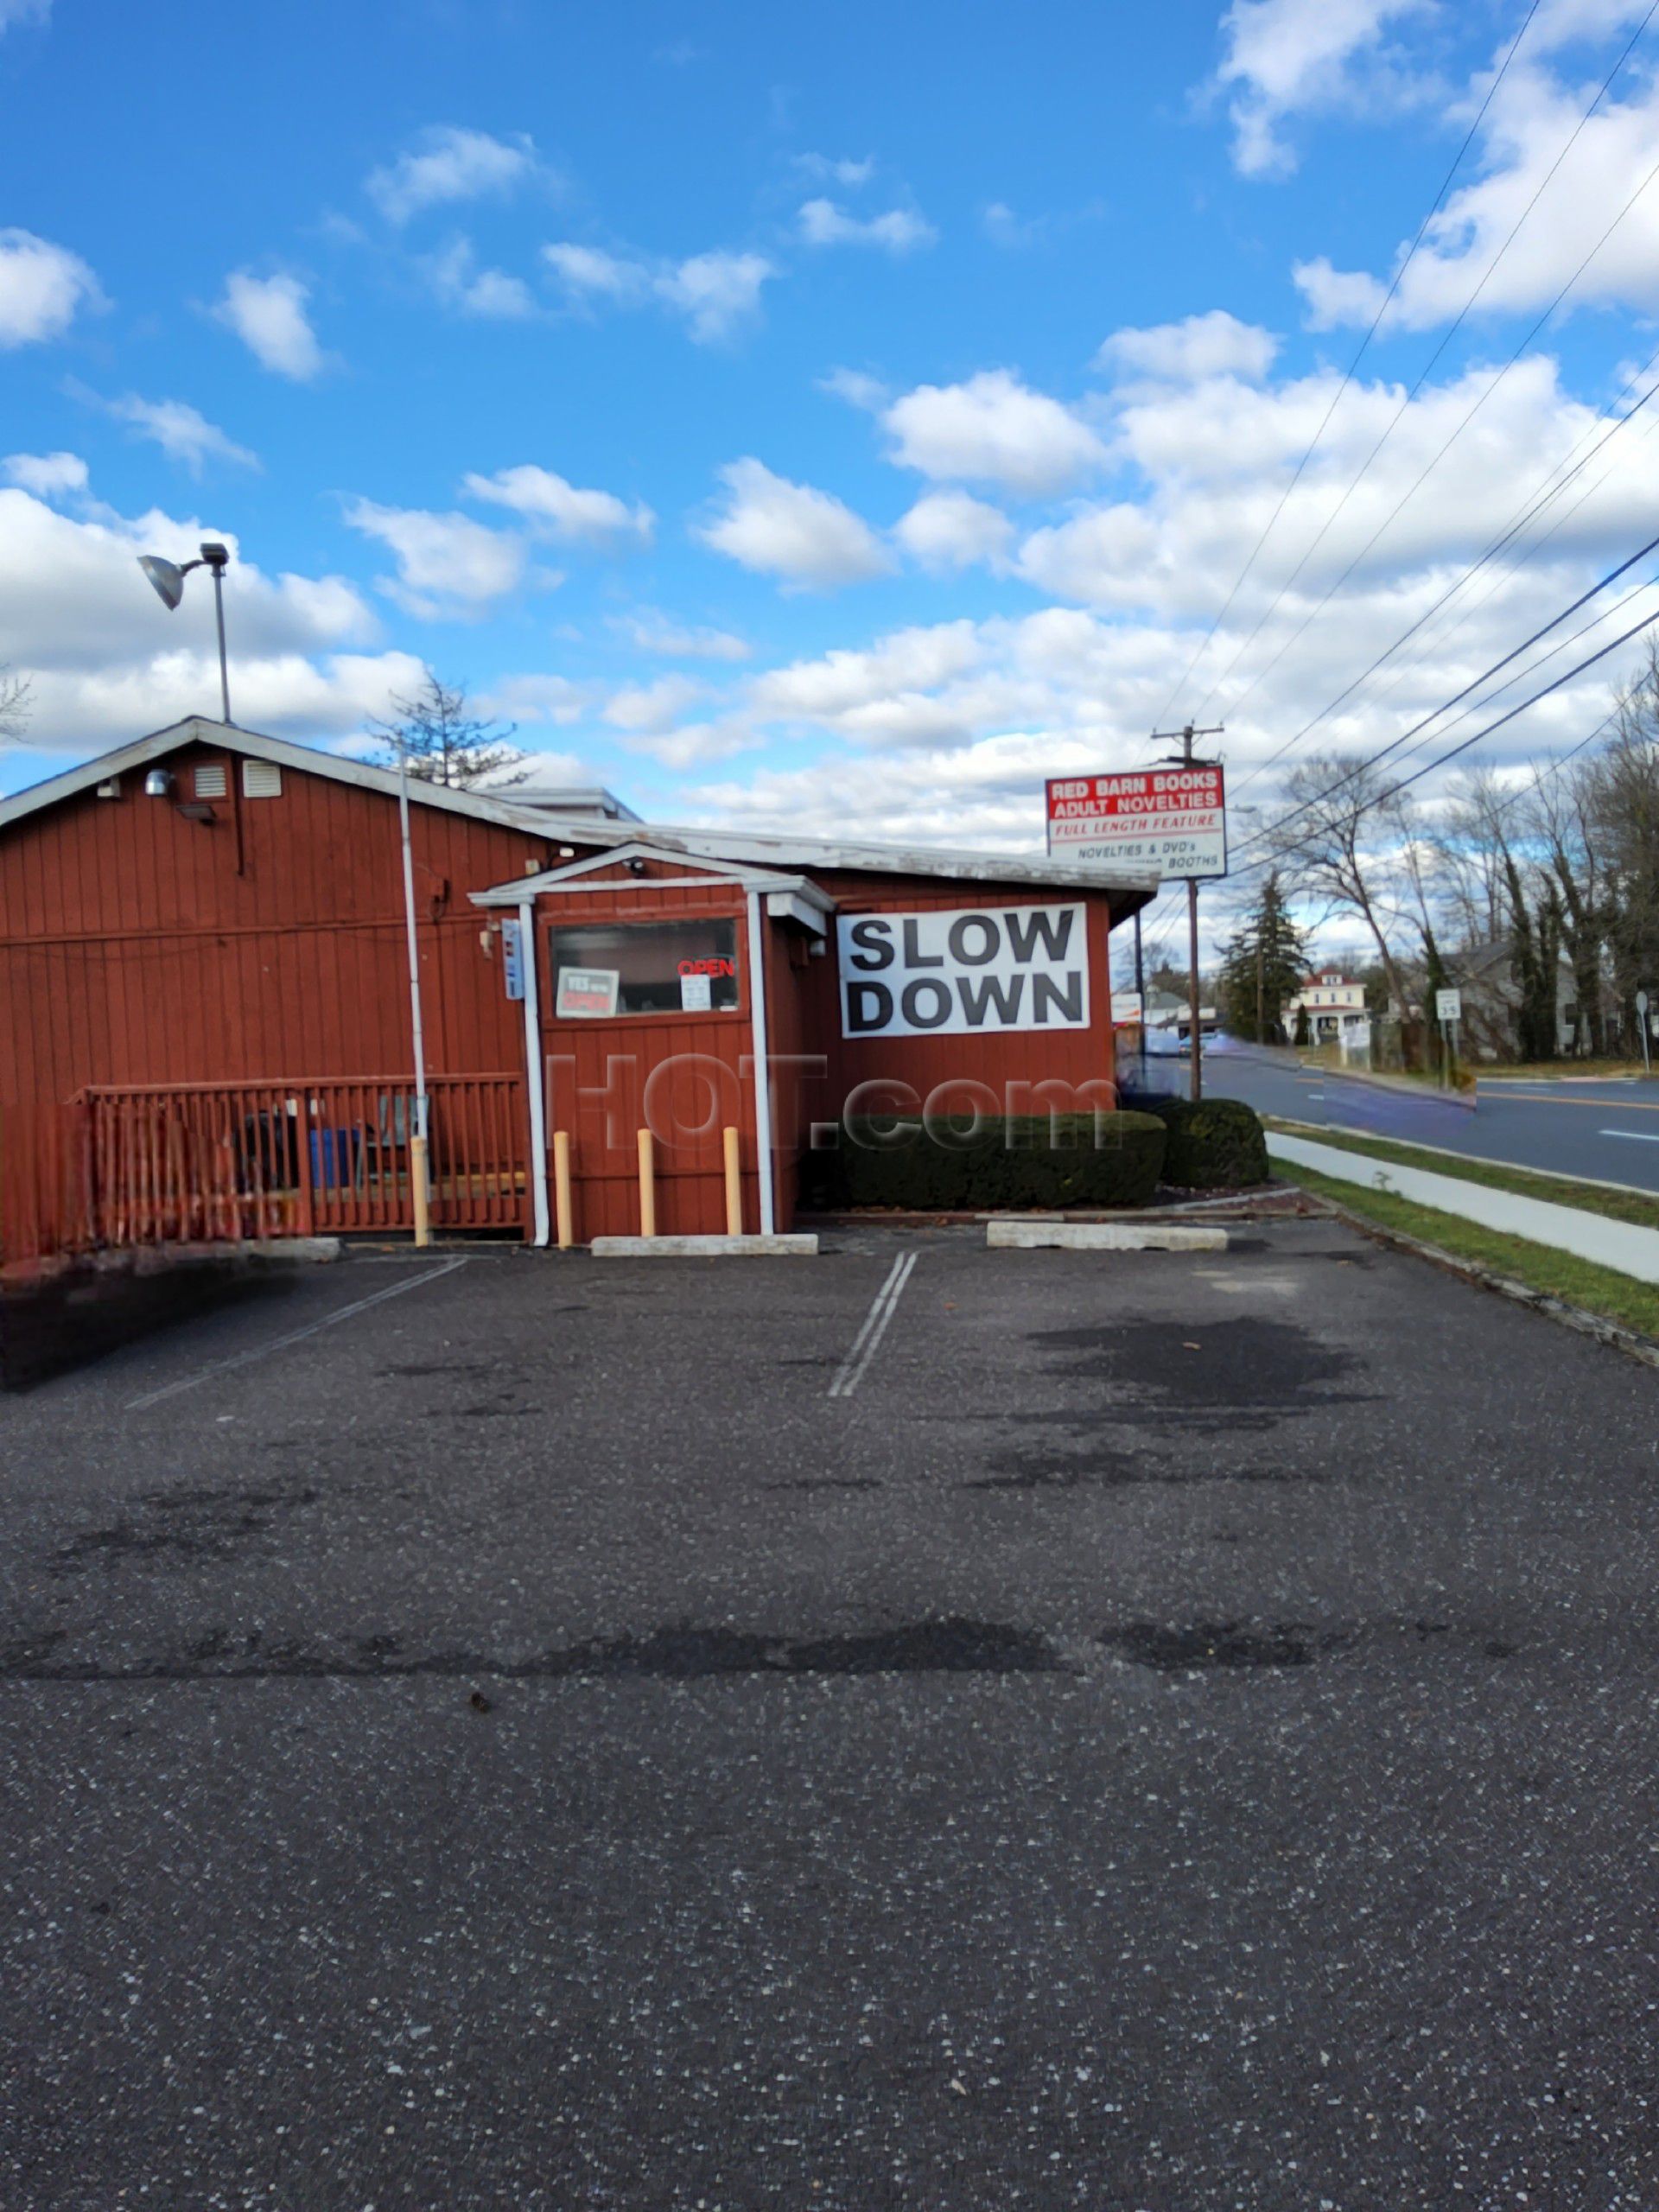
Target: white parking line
<point>1641,1136</point>
<point>294,1335</point>
<point>850,1373</point>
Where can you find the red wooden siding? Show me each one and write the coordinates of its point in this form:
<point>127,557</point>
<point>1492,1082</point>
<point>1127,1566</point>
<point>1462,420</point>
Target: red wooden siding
<point>597,1071</point>
<point>137,948</point>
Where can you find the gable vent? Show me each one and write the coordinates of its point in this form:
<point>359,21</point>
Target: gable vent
<point>209,779</point>
<point>261,780</point>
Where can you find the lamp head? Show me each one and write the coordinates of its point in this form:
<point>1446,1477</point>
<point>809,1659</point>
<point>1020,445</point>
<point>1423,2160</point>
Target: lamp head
<point>213,553</point>
<point>166,576</point>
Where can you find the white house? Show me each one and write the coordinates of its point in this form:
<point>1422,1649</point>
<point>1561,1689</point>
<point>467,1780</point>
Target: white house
<point>1334,1002</point>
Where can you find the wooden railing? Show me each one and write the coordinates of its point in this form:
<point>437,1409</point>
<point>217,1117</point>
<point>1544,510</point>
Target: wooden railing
<point>208,1162</point>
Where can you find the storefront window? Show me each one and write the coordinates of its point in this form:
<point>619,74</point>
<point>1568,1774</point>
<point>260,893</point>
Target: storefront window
<point>684,967</point>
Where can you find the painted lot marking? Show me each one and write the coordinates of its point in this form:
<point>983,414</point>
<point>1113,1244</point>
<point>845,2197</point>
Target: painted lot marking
<point>851,1372</point>
<point>294,1335</point>
<point>1636,1136</point>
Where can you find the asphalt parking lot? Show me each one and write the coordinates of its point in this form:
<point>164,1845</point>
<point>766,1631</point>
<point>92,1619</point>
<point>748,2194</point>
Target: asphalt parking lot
<point>921,1728</point>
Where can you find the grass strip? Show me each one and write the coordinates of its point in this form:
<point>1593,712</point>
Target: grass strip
<point>1633,1207</point>
<point>1559,1275</point>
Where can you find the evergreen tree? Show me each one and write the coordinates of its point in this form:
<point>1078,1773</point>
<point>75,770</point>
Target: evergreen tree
<point>1263,966</point>
<point>446,743</point>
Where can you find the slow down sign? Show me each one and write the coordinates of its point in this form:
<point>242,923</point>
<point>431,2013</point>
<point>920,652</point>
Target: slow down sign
<point>973,968</point>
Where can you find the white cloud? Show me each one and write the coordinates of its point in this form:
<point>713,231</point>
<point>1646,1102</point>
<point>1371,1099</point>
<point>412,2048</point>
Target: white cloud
<point>857,389</point>
<point>1530,123</point>
<point>652,707</point>
<point>590,274</point>
<point>184,434</point>
<point>953,530</point>
<point>651,632</point>
<point>488,295</point>
<point>49,475</point>
<point>537,698</point>
<point>449,165</point>
<point>557,509</point>
<point>992,429</point>
<point>1213,345</point>
<point>794,532</point>
<point>268,315</point>
<point>448,564</point>
<point>848,175</point>
<point>900,230</point>
<point>694,745</point>
<point>717,293</point>
<point>107,662</point>
<point>41,288</point>
<point>1286,56</point>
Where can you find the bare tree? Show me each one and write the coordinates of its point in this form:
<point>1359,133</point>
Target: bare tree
<point>444,741</point>
<point>1342,840</point>
<point>16,699</point>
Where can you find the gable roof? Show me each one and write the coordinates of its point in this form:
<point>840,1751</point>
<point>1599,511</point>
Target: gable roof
<point>1132,888</point>
<point>201,729</point>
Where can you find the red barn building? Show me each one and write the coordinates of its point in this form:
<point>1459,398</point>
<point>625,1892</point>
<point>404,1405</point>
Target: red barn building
<point>205,1006</point>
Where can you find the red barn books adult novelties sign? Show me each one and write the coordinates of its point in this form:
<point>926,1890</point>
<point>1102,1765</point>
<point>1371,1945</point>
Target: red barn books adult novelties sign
<point>1172,819</point>
<point>973,968</point>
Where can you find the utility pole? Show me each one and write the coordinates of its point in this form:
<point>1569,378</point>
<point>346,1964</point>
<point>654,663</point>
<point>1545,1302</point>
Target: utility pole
<point>1184,758</point>
<point>1261,986</point>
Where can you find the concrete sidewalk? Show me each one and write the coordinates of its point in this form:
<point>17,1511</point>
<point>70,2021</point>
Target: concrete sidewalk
<point>1621,1245</point>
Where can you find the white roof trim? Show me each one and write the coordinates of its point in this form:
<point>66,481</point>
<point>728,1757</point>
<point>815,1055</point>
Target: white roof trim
<point>780,850</point>
<point>201,729</point>
<point>570,877</point>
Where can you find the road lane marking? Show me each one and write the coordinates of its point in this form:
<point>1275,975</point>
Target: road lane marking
<point>1590,1105</point>
<point>850,1373</point>
<point>1636,1136</point>
<point>294,1335</point>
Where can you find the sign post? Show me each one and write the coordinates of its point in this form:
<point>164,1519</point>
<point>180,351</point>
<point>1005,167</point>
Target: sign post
<point>1170,819</point>
<point>1448,1010</point>
<point>1642,1023</point>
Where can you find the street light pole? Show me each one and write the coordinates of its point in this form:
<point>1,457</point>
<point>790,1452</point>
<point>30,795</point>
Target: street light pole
<point>167,578</point>
<point>218,567</point>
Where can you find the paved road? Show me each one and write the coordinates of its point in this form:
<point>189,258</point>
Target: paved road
<point>1608,1130</point>
<point>1020,1730</point>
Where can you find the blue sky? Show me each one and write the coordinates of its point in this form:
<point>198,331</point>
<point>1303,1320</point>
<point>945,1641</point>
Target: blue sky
<point>840,413</point>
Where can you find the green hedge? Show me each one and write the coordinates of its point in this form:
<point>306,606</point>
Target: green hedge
<point>1217,1145</point>
<point>1026,1160</point>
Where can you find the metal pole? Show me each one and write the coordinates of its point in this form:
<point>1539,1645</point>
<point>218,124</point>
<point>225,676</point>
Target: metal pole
<point>417,1148</point>
<point>224,671</point>
<point>1140,993</point>
<point>1192,949</point>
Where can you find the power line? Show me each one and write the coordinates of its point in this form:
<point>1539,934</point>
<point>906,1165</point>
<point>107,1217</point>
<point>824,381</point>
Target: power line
<point>1349,373</point>
<point>1373,760</point>
<point>1430,465</point>
<point>1542,498</point>
<point>1452,753</point>
<point>1422,376</point>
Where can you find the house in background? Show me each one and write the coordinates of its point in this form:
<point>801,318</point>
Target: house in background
<point>1335,1004</point>
<point>1485,974</point>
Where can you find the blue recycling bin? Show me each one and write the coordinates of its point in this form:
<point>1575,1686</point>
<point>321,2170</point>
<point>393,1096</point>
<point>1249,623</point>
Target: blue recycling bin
<point>334,1154</point>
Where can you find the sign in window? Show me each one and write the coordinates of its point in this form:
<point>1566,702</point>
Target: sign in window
<point>682,967</point>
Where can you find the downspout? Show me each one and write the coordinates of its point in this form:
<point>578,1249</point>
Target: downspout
<point>533,1091</point>
<point>762,1064</point>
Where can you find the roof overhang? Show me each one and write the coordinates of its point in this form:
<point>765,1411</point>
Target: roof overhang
<point>793,896</point>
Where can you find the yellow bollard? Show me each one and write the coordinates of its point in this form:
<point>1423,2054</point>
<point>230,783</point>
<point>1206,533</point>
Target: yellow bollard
<point>418,1189</point>
<point>733,1186</point>
<point>647,1188</point>
<point>561,1188</point>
